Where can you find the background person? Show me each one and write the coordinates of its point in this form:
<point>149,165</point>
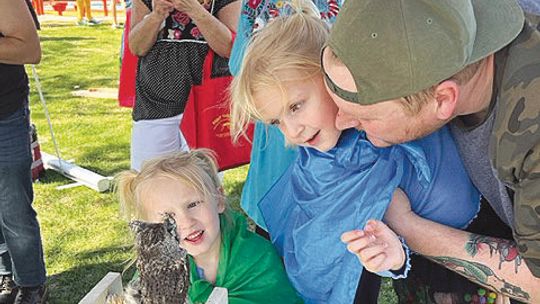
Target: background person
<point>172,39</point>
<point>84,13</point>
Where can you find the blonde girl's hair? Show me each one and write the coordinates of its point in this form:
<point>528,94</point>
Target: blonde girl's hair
<point>196,169</point>
<point>288,43</point>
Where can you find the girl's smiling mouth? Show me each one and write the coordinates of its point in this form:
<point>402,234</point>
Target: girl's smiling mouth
<point>313,140</point>
<point>195,237</point>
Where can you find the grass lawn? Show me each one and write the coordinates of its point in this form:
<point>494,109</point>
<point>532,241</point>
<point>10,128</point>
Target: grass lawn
<point>83,234</point>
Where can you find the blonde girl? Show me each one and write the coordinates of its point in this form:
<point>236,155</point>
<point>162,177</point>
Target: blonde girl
<point>279,57</point>
<point>222,251</point>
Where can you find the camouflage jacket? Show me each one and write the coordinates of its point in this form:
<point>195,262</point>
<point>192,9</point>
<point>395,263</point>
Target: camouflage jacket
<point>515,139</point>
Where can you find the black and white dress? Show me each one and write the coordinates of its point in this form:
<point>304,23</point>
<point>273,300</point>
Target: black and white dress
<point>165,76</point>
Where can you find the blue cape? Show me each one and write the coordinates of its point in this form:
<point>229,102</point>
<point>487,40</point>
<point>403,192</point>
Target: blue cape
<point>323,195</point>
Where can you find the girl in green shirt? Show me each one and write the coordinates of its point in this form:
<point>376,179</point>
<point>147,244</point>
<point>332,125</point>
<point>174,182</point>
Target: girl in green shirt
<point>221,250</point>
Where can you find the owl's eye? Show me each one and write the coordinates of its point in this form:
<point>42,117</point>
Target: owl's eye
<point>169,215</point>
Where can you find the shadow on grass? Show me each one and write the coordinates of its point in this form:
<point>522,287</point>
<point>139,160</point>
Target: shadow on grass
<point>62,39</point>
<point>51,24</point>
<point>52,177</point>
<point>107,154</point>
<point>68,284</point>
<point>68,83</point>
<point>105,114</point>
<point>71,24</point>
<point>97,254</point>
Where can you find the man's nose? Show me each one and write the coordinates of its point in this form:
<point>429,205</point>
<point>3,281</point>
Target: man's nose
<point>346,121</point>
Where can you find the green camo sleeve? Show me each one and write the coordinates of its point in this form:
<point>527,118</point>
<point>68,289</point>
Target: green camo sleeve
<point>515,145</point>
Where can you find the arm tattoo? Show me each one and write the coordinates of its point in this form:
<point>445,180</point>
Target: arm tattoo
<point>506,249</point>
<point>482,275</point>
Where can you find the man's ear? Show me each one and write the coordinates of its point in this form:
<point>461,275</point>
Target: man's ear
<point>446,95</point>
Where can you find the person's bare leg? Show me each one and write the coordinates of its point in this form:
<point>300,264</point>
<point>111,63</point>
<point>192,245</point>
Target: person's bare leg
<point>88,9</point>
<point>113,11</point>
<point>80,12</point>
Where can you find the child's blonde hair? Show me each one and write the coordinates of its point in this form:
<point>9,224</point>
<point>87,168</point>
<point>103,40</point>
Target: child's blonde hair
<point>288,43</point>
<point>196,169</point>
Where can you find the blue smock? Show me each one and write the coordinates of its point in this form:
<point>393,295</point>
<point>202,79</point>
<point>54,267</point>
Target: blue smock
<point>323,195</point>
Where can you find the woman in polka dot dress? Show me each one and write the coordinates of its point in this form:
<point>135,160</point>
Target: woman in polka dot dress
<point>172,38</point>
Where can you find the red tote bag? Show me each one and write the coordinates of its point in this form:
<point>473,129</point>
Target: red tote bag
<point>128,70</point>
<point>206,121</point>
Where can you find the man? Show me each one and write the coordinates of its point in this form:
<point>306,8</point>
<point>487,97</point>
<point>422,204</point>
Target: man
<point>21,252</point>
<point>400,70</point>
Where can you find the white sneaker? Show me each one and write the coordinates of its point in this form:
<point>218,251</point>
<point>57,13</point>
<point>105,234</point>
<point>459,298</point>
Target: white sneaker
<point>94,22</point>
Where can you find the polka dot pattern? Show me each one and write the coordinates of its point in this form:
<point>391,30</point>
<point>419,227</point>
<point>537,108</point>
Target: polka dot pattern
<point>166,74</point>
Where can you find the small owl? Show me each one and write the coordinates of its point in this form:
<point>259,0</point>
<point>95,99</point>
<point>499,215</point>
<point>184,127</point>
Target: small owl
<point>162,264</point>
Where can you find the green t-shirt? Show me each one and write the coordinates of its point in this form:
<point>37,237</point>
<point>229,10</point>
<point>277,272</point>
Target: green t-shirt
<point>249,267</point>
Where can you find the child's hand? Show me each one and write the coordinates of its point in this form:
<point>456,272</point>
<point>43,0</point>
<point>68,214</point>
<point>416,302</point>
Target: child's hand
<point>377,247</point>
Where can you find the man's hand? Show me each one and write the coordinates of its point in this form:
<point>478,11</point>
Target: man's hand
<point>377,247</point>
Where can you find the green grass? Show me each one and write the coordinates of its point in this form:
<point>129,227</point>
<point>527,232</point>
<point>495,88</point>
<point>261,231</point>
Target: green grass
<point>83,234</point>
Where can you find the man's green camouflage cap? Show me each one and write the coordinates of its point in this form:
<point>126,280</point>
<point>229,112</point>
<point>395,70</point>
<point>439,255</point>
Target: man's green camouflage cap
<point>395,48</point>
